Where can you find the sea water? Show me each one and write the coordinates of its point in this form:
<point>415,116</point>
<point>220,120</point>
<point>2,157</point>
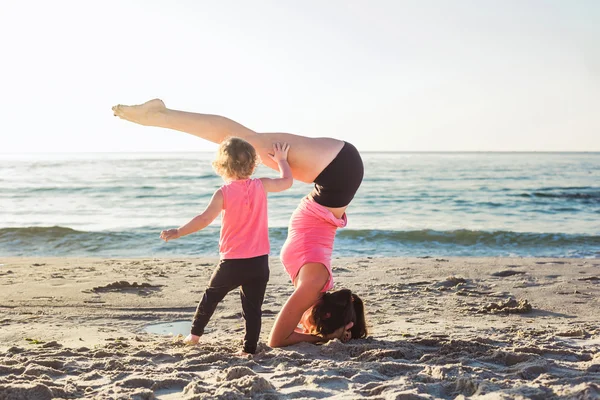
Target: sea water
<point>410,204</point>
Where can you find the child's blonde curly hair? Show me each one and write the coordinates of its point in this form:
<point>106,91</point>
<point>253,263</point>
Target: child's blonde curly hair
<point>236,159</point>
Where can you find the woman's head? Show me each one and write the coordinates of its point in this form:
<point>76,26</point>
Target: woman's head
<point>236,159</point>
<point>339,308</point>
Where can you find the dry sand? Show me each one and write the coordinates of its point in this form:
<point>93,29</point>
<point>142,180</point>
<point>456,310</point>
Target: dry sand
<point>440,328</point>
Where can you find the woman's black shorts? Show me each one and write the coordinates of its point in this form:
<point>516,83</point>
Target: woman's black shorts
<point>337,184</point>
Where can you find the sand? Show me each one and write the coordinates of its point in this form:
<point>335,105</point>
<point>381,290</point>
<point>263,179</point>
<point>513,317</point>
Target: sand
<point>489,328</point>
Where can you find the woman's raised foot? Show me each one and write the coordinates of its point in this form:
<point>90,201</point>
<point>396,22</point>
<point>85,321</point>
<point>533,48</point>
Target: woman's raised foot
<point>143,114</point>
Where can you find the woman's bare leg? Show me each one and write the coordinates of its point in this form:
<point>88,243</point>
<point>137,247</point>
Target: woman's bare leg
<point>308,157</point>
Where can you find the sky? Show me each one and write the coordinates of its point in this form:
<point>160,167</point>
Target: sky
<point>421,75</point>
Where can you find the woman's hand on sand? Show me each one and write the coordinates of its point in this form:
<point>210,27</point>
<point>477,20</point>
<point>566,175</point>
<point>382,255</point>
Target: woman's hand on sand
<point>343,333</point>
<point>169,234</point>
<point>280,152</point>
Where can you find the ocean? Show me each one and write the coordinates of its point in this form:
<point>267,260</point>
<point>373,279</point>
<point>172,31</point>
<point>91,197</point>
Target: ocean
<point>410,204</point>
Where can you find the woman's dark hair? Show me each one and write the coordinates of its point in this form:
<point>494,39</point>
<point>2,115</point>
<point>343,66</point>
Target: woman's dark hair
<point>337,309</point>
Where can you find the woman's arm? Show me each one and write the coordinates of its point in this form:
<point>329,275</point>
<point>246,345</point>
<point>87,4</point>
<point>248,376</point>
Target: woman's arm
<point>199,222</point>
<point>283,332</point>
<point>309,282</point>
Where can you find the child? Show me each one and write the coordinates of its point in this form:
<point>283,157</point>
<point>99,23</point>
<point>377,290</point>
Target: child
<point>244,242</point>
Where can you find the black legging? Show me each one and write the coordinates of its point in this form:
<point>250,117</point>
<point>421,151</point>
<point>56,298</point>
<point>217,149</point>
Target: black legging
<point>252,274</point>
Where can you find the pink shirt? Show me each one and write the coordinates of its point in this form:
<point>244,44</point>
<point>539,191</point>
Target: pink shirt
<point>310,238</point>
<point>244,226</point>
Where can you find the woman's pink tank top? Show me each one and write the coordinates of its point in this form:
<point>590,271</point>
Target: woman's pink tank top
<point>244,225</point>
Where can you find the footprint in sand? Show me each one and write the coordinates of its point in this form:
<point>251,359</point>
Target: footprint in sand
<point>550,262</point>
<point>510,306</point>
<point>507,272</point>
<point>143,289</point>
<point>590,279</point>
<point>340,269</point>
<point>232,316</point>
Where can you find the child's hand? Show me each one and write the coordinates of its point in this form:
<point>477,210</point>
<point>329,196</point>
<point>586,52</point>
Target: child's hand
<point>280,152</point>
<point>169,234</point>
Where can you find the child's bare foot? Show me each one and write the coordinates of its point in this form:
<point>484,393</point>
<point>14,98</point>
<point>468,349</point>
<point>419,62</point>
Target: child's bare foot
<point>191,339</point>
<point>242,353</point>
<point>143,114</point>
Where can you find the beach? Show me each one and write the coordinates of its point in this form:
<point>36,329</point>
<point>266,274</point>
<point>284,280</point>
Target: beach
<point>440,159</point>
<point>480,273</point>
<point>484,328</point>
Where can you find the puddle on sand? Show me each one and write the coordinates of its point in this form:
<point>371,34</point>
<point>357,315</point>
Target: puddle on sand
<point>170,328</point>
<point>592,342</point>
<point>169,394</point>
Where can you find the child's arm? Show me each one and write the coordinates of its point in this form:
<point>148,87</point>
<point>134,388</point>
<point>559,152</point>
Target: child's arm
<point>285,181</point>
<point>198,222</point>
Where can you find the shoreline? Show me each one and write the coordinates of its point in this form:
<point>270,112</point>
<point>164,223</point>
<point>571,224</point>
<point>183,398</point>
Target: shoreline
<point>428,317</point>
<point>143,243</point>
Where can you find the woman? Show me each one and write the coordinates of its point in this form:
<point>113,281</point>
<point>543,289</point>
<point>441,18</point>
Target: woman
<point>336,169</point>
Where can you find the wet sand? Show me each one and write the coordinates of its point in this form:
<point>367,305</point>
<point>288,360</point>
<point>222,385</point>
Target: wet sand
<point>483,328</point>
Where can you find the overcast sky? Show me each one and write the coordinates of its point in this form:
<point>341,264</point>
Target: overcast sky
<point>477,75</point>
